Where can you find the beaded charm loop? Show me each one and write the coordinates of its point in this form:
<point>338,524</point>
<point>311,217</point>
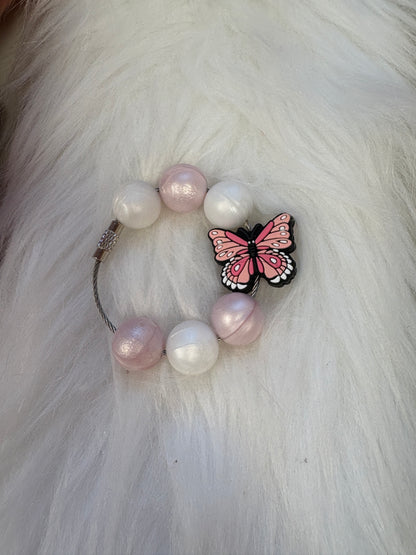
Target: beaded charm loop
<point>246,255</point>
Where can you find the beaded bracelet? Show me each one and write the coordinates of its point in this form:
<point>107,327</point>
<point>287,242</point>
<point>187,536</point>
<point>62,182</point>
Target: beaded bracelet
<point>245,255</point>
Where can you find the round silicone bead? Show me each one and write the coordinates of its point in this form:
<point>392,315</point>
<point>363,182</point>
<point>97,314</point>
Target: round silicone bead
<point>237,319</point>
<point>137,205</point>
<point>183,188</point>
<point>138,344</point>
<point>228,204</point>
<point>192,347</point>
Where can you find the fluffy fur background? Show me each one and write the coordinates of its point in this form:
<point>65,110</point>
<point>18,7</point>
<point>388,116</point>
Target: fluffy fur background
<point>302,443</point>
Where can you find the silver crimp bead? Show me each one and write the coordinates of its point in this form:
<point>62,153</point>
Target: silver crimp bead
<point>108,240</point>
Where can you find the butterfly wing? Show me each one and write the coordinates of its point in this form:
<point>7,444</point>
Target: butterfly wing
<point>277,234</point>
<point>278,268</point>
<point>231,250</point>
<point>274,243</point>
<point>227,245</point>
<point>239,274</point>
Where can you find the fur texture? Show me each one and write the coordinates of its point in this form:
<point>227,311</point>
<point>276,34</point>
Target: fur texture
<point>302,443</point>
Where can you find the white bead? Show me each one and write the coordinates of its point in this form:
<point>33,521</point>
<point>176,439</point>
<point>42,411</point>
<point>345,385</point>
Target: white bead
<point>137,205</point>
<point>228,204</point>
<point>192,347</point>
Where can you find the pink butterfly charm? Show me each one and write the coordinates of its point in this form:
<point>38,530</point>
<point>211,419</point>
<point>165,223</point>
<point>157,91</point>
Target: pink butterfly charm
<point>249,254</point>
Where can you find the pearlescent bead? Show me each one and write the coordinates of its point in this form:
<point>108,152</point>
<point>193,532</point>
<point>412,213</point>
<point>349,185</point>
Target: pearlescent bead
<point>228,204</point>
<point>183,187</point>
<point>192,347</point>
<point>138,344</point>
<point>137,205</point>
<point>237,319</point>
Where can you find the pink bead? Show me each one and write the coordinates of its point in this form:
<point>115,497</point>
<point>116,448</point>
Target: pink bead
<point>237,319</point>
<point>183,188</point>
<point>138,344</point>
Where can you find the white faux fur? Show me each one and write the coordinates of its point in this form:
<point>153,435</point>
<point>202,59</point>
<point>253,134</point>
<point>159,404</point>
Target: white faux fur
<point>302,443</point>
